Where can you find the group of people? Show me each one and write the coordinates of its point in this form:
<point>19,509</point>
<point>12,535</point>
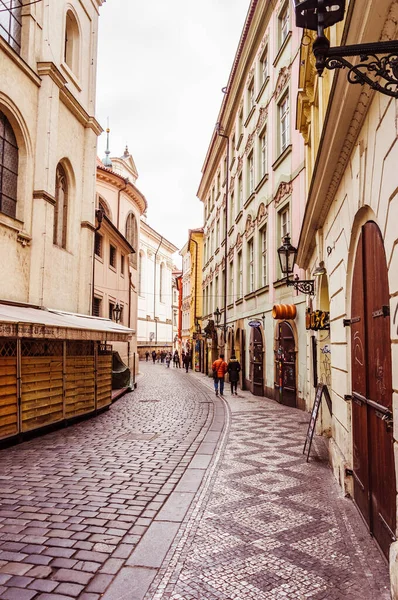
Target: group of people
<point>168,357</point>
<point>221,368</point>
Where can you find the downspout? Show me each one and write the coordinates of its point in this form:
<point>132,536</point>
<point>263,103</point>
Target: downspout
<point>219,131</point>
<point>196,298</point>
<point>154,291</point>
<point>99,214</point>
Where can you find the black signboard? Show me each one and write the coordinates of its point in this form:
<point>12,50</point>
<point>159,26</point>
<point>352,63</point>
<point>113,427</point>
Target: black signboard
<point>321,390</point>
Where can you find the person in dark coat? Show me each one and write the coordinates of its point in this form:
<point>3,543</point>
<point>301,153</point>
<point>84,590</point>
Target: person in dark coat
<point>233,372</point>
<point>186,361</point>
<point>147,355</point>
<point>153,356</point>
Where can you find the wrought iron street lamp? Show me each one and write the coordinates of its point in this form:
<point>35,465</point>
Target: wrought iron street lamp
<point>217,317</point>
<point>287,257</point>
<point>117,313</point>
<point>378,61</point>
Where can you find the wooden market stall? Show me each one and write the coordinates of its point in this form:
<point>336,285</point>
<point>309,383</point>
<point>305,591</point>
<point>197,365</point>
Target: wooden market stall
<point>54,367</point>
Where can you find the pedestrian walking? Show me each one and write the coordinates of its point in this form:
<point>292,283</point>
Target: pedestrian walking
<point>153,356</point>
<point>233,372</point>
<point>158,357</point>
<point>168,360</point>
<point>176,360</point>
<point>219,369</point>
<point>147,355</point>
<point>186,361</point>
<point>162,356</point>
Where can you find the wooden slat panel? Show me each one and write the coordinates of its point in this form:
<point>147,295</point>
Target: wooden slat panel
<point>42,391</point>
<point>80,385</point>
<point>8,397</point>
<point>104,380</point>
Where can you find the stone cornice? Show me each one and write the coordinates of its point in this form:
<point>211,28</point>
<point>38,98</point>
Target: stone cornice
<point>21,64</point>
<point>43,195</point>
<point>51,70</point>
<point>78,111</point>
<point>108,176</point>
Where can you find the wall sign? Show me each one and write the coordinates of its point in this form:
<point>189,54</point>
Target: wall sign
<point>317,320</point>
<point>255,323</point>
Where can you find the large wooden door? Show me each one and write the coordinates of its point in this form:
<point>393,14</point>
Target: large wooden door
<point>373,456</point>
<point>256,361</point>
<point>285,365</point>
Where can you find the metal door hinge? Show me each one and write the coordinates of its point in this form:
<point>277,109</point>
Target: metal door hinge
<point>348,322</point>
<point>383,312</point>
<point>349,472</point>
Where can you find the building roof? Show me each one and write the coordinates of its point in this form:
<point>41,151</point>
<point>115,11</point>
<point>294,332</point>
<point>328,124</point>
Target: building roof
<point>157,235</point>
<point>117,233</point>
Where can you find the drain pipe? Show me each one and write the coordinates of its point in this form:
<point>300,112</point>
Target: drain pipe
<point>99,214</point>
<point>154,292</point>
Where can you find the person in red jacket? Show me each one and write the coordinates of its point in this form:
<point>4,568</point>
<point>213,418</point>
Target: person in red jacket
<point>219,369</point>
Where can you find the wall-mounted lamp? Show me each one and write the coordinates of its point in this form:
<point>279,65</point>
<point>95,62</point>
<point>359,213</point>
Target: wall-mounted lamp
<point>379,72</point>
<point>320,270</point>
<point>287,258</point>
<point>117,313</point>
<point>217,317</point>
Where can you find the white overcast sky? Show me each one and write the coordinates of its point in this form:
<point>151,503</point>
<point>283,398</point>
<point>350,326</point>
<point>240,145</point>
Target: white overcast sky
<point>161,67</point>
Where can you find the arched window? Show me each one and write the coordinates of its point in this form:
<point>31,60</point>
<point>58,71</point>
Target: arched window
<point>102,205</point>
<point>61,207</point>
<point>132,237</point>
<point>72,42</point>
<point>162,283</point>
<point>11,24</point>
<point>8,168</point>
<point>141,275</point>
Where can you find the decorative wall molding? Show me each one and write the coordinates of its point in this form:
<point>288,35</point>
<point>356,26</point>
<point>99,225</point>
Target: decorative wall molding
<point>285,188</point>
<point>263,114</point>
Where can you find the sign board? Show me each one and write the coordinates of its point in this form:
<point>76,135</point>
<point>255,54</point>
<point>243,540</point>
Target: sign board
<point>317,320</point>
<point>255,323</point>
<point>321,390</point>
<point>151,336</point>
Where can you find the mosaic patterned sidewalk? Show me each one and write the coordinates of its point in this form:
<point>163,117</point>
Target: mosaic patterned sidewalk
<point>269,526</point>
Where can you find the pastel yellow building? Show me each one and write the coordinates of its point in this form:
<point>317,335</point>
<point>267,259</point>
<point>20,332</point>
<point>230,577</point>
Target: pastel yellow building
<point>192,261</point>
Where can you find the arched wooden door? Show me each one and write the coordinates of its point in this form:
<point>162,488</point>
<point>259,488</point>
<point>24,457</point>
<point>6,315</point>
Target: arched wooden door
<point>256,361</point>
<point>285,365</point>
<point>373,456</point>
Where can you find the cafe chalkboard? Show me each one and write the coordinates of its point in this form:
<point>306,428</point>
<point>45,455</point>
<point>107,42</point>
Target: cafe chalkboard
<point>321,390</point>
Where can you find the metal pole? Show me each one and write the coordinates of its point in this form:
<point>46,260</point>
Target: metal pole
<point>219,131</point>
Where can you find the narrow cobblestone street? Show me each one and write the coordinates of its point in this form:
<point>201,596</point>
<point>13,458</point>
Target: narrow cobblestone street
<point>177,494</point>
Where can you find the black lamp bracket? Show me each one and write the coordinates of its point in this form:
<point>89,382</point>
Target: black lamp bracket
<point>377,66</point>
<point>305,286</point>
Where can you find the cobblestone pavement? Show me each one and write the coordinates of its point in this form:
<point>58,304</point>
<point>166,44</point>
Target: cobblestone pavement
<point>268,525</point>
<point>76,502</point>
<point>175,494</point>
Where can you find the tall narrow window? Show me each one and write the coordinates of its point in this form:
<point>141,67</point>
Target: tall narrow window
<point>284,221</point>
<point>217,233</point>
<point>72,42</point>
<point>8,167</point>
<point>231,209</point>
<point>233,142</point>
<point>132,237</point>
<point>250,95</point>
<point>240,193</point>
<point>121,264</point>
<point>284,123</point>
<point>211,300</point>
<point>112,256</point>
<point>61,207</point>
<point>264,66</point>
<point>98,244</point>
<point>263,153</point>
<point>240,126</point>
<point>11,23</point>
<point>162,283</point>
<point>96,307</point>
<point>240,275</point>
<point>284,24</point>
<point>250,164</point>
<point>216,296</point>
<point>250,251</point>
<point>264,270</point>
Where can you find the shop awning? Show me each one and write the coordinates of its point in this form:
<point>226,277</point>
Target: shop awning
<point>33,322</point>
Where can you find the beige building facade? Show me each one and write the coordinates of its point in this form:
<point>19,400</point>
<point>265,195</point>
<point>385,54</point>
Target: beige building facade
<point>350,225</point>
<point>252,190</point>
<point>55,358</point>
<point>120,205</point>
<point>155,291</point>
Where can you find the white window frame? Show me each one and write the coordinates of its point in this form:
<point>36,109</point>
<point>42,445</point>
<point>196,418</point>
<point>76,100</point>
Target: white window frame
<point>264,66</point>
<point>263,152</point>
<point>250,252</point>
<point>250,165</point>
<point>264,252</point>
<point>284,122</point>
<point>284,23</point>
